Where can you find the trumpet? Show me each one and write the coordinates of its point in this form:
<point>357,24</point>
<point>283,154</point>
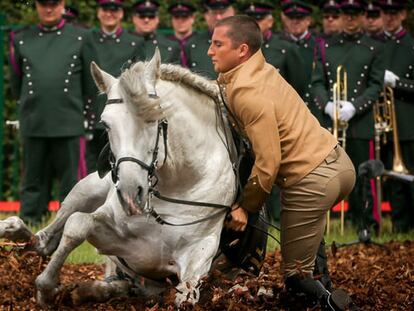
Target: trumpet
<point>385,121</point>
<point>339,127</point>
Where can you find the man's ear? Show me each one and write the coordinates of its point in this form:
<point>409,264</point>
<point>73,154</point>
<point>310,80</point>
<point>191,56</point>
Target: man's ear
<point>404,14</point>
<point>244,50</point>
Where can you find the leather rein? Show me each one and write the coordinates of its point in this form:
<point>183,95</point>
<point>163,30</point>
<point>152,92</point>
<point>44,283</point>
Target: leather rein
<point>162,130</point>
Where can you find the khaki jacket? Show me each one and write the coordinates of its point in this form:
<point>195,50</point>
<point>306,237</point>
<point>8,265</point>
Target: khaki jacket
<point>287,140</point>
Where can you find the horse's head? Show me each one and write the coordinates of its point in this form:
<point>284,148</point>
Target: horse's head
<point>133,120</point>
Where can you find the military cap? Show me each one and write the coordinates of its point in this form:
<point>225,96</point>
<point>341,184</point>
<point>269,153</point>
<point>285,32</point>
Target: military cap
<point>330,6</point>
<point>146,7</point>
<point>217,4</point>
<point>352,6</point>
<point>70,13</point>
<point>296,8</point>
<point>181,8</point>
<point>393,5</point>
<point>373,9</point>
<point>258,10</point>
<point>110,3</point>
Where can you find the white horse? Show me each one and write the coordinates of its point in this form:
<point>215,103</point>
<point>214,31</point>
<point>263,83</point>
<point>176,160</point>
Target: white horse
<point>167,142</point>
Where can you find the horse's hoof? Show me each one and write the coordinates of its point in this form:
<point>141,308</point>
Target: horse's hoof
<point>46,291</point>
<point>185,298</point>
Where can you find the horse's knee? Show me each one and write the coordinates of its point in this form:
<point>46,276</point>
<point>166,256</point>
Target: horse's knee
<point>14,228</point>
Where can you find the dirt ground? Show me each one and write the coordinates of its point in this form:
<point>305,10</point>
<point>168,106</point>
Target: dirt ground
<point>377,278</point>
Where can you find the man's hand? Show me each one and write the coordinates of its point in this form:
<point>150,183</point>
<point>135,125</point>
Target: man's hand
<point>238,221</point>
<point>347,110</point>
<point>329,109</point>
<point>390,78</point>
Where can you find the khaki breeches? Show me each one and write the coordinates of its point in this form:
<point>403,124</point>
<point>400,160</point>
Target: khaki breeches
<point>304,208</point>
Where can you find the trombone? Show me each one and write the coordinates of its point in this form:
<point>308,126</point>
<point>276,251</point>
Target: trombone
<point>340,92</point>
<point>339,127</point>
<point>385,121</point>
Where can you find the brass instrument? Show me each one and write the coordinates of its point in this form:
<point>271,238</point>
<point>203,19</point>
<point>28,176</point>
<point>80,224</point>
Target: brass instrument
<point>339,127</point>
<point>340,91</point>
<point>385,121</point>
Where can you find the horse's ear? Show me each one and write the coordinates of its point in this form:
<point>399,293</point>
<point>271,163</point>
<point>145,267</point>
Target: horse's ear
<point>155,62</point>
<point>153,72</point>
<point>102,79</point>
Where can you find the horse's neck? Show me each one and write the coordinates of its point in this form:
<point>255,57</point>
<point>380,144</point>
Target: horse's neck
<point>192,140</point>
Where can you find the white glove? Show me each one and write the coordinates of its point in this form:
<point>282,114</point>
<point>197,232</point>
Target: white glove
<point>390,78</point>
<point>329,109</point>
<point>347,110</point>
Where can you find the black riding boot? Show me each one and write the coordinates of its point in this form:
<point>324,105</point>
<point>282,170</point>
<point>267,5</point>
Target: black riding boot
<point>321,271</point>
<point>315,293</point>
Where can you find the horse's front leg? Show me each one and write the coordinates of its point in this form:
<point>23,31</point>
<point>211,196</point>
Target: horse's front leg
<point>194,264</point>
<point>77,228</point>
<point>86,196</point>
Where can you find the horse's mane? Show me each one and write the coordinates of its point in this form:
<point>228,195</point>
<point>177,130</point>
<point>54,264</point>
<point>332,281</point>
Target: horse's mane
<point>175,73</point>
<point>133,87</point>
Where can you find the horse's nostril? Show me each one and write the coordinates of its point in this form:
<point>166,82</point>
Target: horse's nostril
<point>139,195</point>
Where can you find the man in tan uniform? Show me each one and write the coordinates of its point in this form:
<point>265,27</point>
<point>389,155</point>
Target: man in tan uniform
<point>290,148</point>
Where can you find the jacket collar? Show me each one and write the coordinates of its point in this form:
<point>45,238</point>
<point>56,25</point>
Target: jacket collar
<point>401,32</point>
<point>58,26</point>
<point>352,36</point>
<point>116,34</point>
<point>267,35</point>
<point>249,67</point>
<point>302,38</point>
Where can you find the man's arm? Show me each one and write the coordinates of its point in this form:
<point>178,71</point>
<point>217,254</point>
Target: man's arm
<point>89,89</point>
<point>405,85</point>
<point>320,92</point>
<point>257,117</point>
<point>363,103</point>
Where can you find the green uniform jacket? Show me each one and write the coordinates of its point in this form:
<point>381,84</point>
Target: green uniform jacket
<point>46,79</point>
<point>361,57</point>
<point>399,58</point>
<point>169,50</point>
<point>286,57</point>
<point>112,53</point>
<point>198,60</point>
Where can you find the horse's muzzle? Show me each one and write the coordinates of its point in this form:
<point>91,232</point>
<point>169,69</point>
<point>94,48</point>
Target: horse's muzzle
<point>132,204</point>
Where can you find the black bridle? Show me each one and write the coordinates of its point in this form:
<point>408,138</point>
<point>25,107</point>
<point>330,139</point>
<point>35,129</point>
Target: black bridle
<point>151,168</point>
<point>162,129</point>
